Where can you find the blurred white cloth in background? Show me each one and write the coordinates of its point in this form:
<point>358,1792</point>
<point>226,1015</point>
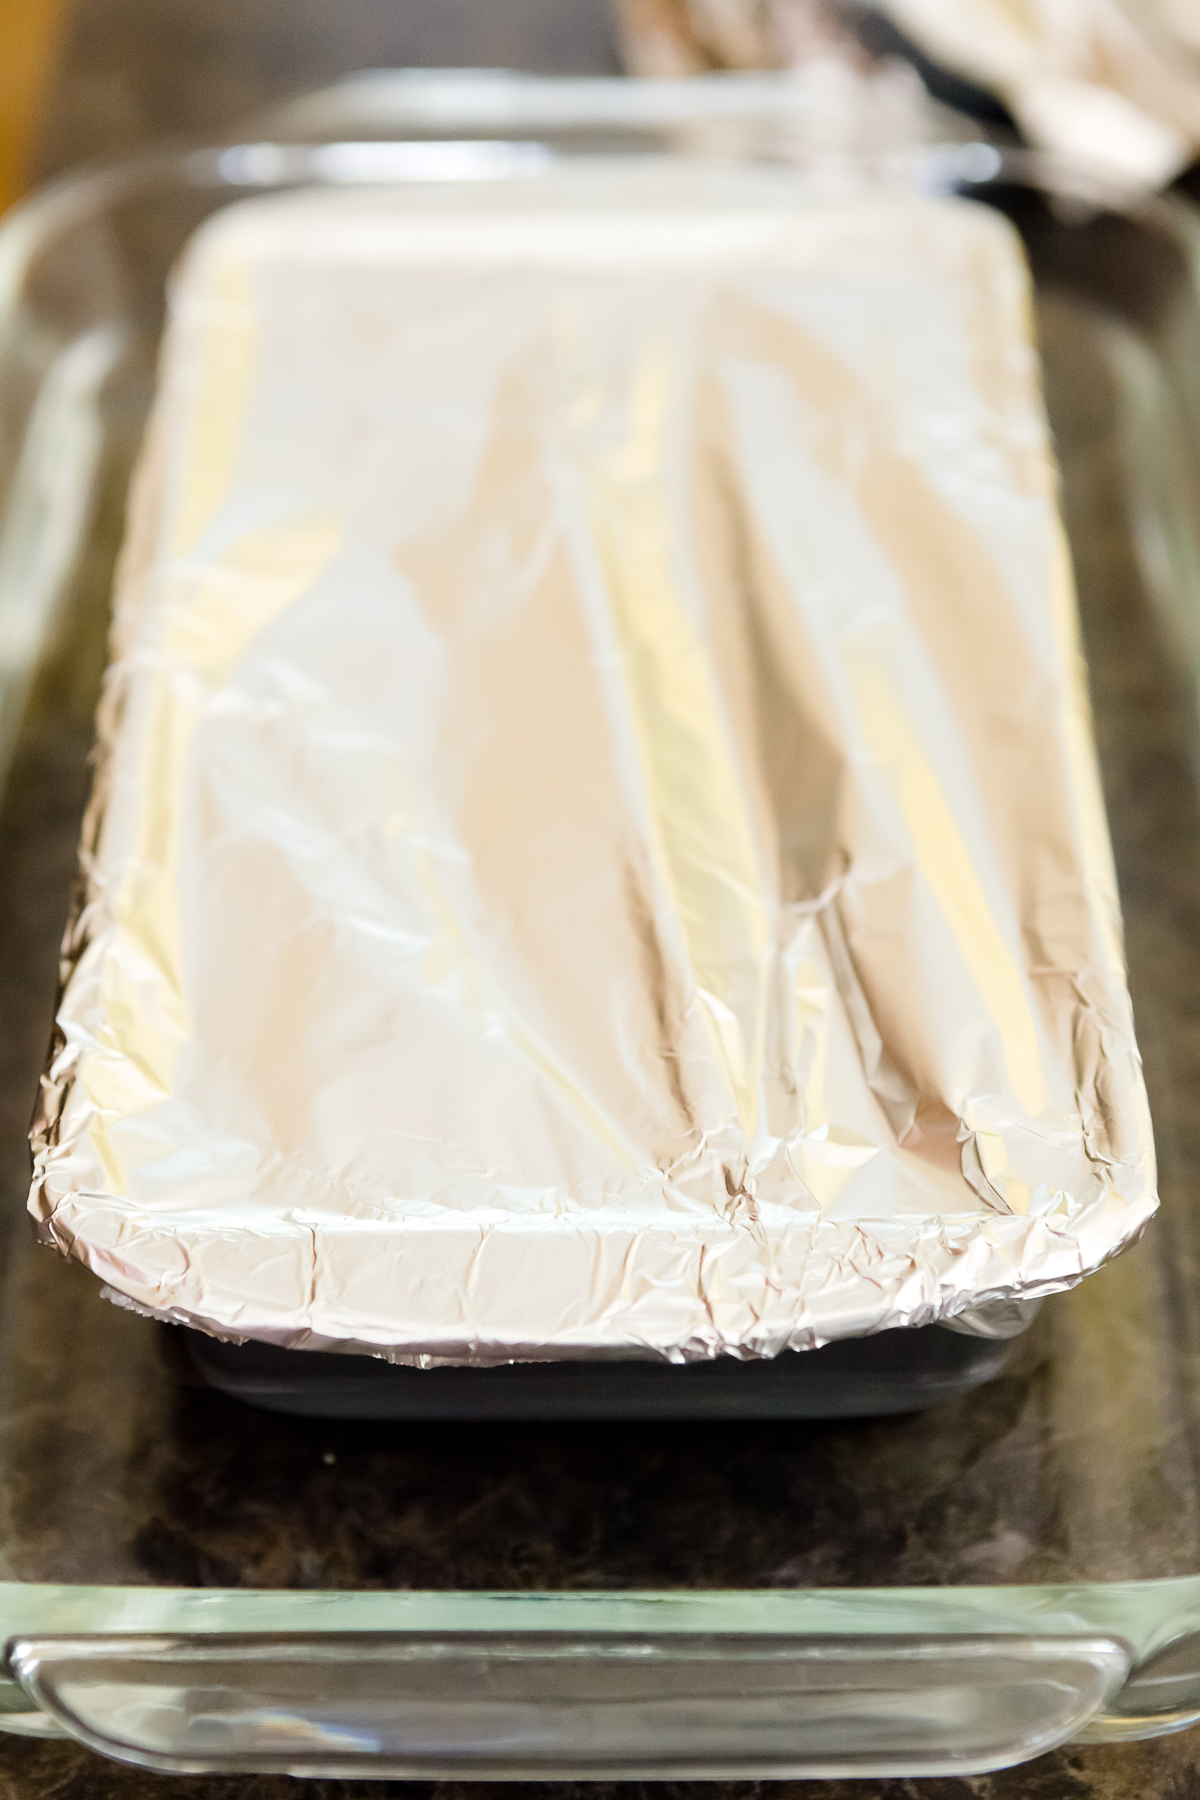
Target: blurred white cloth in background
<point>1114,82</point>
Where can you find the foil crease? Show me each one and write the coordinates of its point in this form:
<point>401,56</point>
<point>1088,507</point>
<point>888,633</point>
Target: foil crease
<point>598,848</point>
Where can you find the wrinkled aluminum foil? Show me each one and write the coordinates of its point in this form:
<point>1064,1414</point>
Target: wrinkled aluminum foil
<point>598,847</point>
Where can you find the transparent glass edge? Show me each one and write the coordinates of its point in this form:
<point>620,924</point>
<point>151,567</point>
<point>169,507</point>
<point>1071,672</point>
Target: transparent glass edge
<point>1147,1615</point>
<point>138,1699</point>
<point>1144,1616</point>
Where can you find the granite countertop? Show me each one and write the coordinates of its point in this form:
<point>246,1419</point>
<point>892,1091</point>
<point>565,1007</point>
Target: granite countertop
<point>129,1472</point>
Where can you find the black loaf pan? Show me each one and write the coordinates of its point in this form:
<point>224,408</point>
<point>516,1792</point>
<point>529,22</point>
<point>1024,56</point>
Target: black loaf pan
<point>893,1372</point>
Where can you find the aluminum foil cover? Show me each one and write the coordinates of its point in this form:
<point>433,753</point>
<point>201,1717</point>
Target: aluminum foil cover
<point>598,847</point>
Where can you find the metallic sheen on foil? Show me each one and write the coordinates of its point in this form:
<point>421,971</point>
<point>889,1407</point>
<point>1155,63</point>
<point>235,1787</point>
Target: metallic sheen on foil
<point>598,847</point>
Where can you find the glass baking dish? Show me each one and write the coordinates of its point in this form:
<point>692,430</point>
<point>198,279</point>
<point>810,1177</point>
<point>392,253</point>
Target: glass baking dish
<point>193,1584</point>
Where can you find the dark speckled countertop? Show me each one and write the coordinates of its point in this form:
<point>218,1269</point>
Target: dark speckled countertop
<point>113,1467</point>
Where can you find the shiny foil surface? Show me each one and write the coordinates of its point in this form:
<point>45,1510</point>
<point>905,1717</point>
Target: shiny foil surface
<point>598,847</point>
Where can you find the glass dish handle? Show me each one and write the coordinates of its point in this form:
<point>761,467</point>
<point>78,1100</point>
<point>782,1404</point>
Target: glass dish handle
<point>557,1705</point>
